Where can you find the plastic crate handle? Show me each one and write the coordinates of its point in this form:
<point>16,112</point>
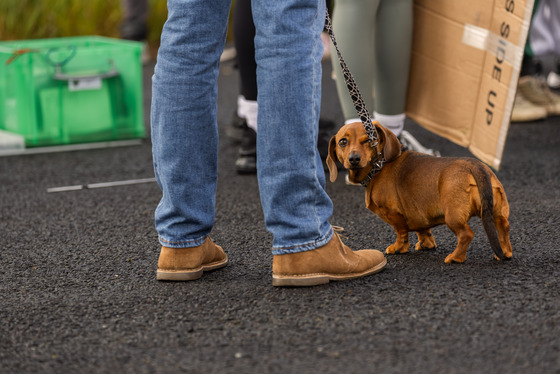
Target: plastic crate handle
<point>59,75</point>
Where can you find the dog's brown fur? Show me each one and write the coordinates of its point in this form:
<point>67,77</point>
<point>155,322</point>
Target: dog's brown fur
<point>415,192</point>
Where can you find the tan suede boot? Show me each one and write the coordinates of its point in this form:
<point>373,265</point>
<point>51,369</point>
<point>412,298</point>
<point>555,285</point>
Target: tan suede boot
<point>333,261</point>
<point>183,264</point>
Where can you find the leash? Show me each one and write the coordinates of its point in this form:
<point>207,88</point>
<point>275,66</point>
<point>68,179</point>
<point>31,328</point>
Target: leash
<point>359,105</point>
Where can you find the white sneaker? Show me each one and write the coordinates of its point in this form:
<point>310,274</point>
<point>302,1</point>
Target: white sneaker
<point>553,80</point>
<point>536,91</point>
<point>526,111</point>
<point>347,180</point>
<point>409,143</point>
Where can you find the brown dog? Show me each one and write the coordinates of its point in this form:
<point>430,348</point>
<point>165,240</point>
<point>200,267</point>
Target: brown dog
<point>415,192</point>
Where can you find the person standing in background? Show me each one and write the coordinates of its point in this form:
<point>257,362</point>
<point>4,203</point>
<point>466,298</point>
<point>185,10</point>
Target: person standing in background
<point>134,24</point>
<point>375,38</point>
<point>243,128</point>
<point>534,100</point>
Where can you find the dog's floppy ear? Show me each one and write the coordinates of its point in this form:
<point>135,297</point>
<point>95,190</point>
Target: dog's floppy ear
<point>389,142</point>
<point>331,159</point>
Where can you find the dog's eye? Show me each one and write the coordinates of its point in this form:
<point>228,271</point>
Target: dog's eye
<point>343,142</point>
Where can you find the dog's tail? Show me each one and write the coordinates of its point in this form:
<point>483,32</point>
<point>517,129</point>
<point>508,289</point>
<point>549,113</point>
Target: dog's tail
<point>484,181</point>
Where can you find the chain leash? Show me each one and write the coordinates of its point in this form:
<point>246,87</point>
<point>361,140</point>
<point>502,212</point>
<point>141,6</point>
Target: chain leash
<point>359,103</point>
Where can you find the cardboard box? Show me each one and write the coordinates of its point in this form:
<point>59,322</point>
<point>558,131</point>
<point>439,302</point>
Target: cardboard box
<point>71,90</point>
<point>466,58</point>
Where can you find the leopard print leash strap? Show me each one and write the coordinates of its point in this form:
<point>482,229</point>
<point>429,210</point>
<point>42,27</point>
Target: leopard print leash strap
<point>359,103</point>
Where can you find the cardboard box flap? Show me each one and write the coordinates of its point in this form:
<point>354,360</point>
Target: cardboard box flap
<point>465,66</point>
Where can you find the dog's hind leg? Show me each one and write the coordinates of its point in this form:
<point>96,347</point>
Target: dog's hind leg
<point>501,214</point>
<point>502,225</point>
<point>425,240</point>
<point>457,210</point>
<point>464,238</point>
<point>457,220</point>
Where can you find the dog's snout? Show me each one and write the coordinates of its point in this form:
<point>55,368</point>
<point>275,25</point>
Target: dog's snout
<point>354,159</point>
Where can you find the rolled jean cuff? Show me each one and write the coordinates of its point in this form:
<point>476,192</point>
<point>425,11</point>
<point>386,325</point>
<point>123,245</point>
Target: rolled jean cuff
<point>190,243</point>
<point>304,247</point>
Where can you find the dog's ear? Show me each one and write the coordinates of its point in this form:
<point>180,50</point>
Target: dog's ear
<point>331,159</point>
<point>389,142</point>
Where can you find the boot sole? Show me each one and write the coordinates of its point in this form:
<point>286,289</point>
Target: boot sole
<point>191,274</point>
<point>306,280</point>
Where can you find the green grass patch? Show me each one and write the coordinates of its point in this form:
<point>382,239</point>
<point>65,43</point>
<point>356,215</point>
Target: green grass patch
<point>36,19</point>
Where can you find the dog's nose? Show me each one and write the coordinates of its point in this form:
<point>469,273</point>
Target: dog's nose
<point>354,159</point>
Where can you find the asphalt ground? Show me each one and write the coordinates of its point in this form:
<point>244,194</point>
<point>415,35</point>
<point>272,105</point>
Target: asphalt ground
<point>78,291</point>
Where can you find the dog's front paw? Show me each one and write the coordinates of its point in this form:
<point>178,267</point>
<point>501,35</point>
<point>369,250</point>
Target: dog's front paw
<point>506,257</point>
<point>390,249</point>
<point>426,240</point>
<point>424,247</point>
<point>394,249</point>
<point>452,258</point>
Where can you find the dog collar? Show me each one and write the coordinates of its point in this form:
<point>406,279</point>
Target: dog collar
<point>376,164</point>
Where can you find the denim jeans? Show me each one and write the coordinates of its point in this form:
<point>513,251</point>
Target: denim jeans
<point>184,118</point>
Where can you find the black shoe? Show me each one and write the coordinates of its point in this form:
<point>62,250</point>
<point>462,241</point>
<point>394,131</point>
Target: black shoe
<point>326,131</point>
<point>553,78</point>
<point>246,162</point>
<point>236,130</point>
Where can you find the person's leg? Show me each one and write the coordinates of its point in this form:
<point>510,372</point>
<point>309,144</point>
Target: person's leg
<point>244,39</point>
<point>247,107</point>
<point>135,19</point>
<point>183,119</point>
<point>290,172</point>
<point>393,48</point>
<point>291,177</point>
<point>353,24</point>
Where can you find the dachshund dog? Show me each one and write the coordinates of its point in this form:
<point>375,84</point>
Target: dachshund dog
<point>414,192</point>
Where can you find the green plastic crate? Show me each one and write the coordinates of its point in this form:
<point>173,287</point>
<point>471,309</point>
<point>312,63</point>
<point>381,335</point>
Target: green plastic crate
<point>71,90</point>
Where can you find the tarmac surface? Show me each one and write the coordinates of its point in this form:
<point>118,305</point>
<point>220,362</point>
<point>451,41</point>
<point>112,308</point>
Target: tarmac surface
<point>78,291</point>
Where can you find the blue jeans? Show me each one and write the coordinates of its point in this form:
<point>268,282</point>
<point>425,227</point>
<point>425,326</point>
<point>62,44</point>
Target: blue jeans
<point>288,52</point>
